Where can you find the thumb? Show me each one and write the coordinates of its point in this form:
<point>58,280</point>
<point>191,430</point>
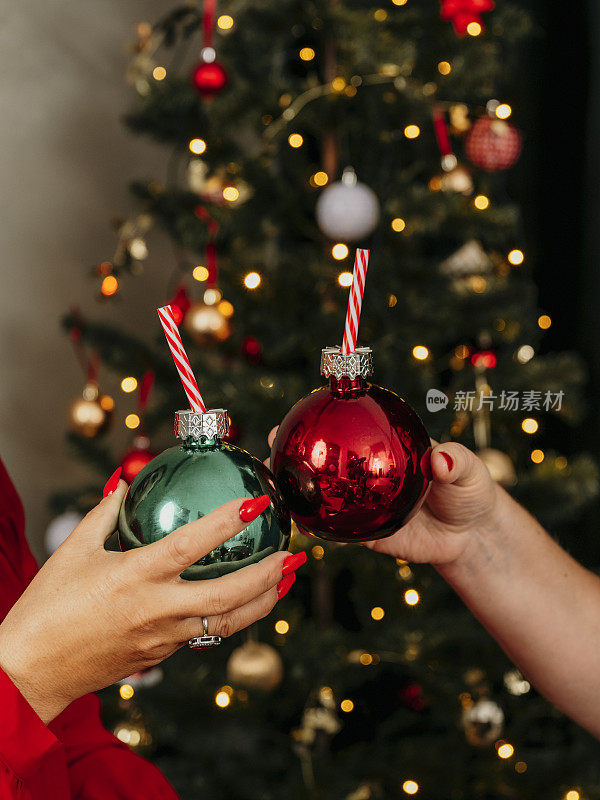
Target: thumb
<point>453,463</point>
<point>99,523</point>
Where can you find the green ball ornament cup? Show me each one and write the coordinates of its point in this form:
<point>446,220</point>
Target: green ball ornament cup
<point>184,483</point>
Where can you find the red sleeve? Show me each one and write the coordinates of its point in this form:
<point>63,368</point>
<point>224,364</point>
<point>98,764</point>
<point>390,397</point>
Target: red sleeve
<point>32,760</point>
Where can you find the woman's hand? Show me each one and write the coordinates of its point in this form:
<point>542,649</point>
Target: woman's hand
<point>91,617</point>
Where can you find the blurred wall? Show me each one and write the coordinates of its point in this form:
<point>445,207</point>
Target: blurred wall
<point>65,162</point>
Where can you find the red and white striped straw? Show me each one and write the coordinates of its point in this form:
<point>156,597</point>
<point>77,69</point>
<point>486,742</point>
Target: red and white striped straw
<point>361,262</point>
<point>182,362</point>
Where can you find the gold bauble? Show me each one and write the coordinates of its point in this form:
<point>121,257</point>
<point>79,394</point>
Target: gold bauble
<point>499,465</point>
<point>86,415</point>
<point>255,665</point>
<point>206,323</point>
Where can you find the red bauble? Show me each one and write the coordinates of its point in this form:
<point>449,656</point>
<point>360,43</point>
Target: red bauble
<point>252,349</point>
<point>463,12</point>
<point>209,78</point>
<point>352,461</point>
<point>493,144</point>
<point>135,459</point>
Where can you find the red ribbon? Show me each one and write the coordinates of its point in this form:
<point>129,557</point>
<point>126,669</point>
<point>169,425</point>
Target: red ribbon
<point>208,22</point>
<point>144,391</point>
<point>90,365</point>
<point>441,132</point>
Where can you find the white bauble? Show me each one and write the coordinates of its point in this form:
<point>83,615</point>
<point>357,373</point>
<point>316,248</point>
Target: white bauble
<point>347,210</point>
<point>59,529</point>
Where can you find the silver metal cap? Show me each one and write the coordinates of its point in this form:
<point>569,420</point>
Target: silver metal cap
<point>213,424</point>
<point>354,365</point>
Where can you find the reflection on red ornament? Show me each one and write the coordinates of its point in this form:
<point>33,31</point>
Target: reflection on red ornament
<point>234,434</point>
<point>493,144</point>
<point>484,358</point>
<point>209,78</point>
<point>252,349</point>
<point>136,458</point>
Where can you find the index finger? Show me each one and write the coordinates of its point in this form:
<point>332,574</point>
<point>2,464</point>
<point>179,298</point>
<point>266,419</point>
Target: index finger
<point>183,547</point>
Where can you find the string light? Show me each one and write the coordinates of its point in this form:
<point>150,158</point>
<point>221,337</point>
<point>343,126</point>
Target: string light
<point>420,352</point>
<point>520,767</point>
<point>226,308</point>
<point>345,279</point>
<point>109,285</point>
<point>126,691</point>
<point>107,403</point>
<point>444,68</point>
<point>366,659</point>
<point>129,384</point>
<point>505,750</point>
<point>572,794</point>
<point>481,202</point>
<point>197,146</point>
<point>544,322</point>
<point>295,140</point>
<point>537,456</point>
<point>222,699</point>
<point>530,425</point>
<point>412,131</point>
<point>411,597</point>
<point>380,14</point>
<point>225,22</point>
<point>398,224</point>
<point>200,274</point>
<point>231,194</point>
<point>212,296</point>
<point>473,29</point>
<point>320,178</point>
<point>399,2</point>
<point>516,257</point>
<point>525,353</point>
<point>252,280</point>
<point>377,613</point>
<point>282,626</point>
<point>132,421</point>
<point>339,251</point>
<point>159,73</point>
<point>307,54</point>
<point>560,462</point>
<point>392,300</point>
<point>317,552</point>
<point>347,705</point>
<point>410,787</point>
<point>338,84</point>
<point>503,111</point>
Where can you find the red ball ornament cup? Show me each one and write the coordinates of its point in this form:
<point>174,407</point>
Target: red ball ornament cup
<point>493,144</point>
<point>209,78</point>
<point>352,459</point>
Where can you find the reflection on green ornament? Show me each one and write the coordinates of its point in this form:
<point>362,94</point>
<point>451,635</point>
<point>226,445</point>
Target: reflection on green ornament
<point>184,483</point>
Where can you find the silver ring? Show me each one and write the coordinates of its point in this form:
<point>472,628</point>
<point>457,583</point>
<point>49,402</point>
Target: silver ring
<point>198,642</point>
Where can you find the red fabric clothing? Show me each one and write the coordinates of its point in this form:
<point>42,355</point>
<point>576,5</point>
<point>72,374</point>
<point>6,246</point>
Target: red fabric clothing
<point>74,757</point>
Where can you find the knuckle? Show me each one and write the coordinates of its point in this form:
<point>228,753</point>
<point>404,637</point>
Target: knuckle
<point>217,600</point>
<point>178,549</point>
<point>225,625</point>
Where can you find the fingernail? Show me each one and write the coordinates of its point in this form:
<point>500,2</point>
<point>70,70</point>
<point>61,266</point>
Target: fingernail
<point>285,584</point>
<point>292,563</point>
<point>449,460</point>
<point>112,482</point>
<point>254,507</point>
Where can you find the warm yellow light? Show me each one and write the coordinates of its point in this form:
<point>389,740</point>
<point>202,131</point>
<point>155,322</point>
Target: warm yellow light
<point>503,111</point>
<point>252,280</point>
<point>412,131</point>
<point>481,202</point>
<point>516,257</point>
<point>126,691</point>
<point>544,322</point>
<point>231,194</point>
<point>197,146</point>
<point>410,787</point>
<point>560,462</point>
<point>200,274</point>
<point>537,456</point>
<point>399,2</point>
<point>159,73</point>
<point>392,300</point>
<point>377,613</point>
<point>380,14</point>
<point>473,29</point>
<point>366,659</point>
<point>420,352</point>
<point>339,251</point>
<point>411,597</point>
<point>525,353</point>
<point>444,68</point>
<point>398,224</point>
<point>226,308</point>
<point>505,750</point>
<point>295,140</point>
<point>572,794</point>
<point>347,705</point>
<point>109,285</point>
<point>132,421</point>
<point>320,178</point>
<point>530,425</point>
<point>225,22</point>
<point>345,279</point>
<point>106,402</point>
<point>338,84</point>
<point>129,384</point>
<point>318,552</point>
<point>307,54</point>
<point>212,296</point>
<point>520,767</point>
<point>282,626</point>
<point>222,699</point>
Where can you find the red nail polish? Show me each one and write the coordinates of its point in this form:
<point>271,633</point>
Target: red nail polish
<point>292,563</point>
<point>285,584</point>
<point>254,507</point>
<point>112,482</point>
<point>448,458</point>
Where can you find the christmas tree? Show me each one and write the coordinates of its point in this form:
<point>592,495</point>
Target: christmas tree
<point>295,131</point>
